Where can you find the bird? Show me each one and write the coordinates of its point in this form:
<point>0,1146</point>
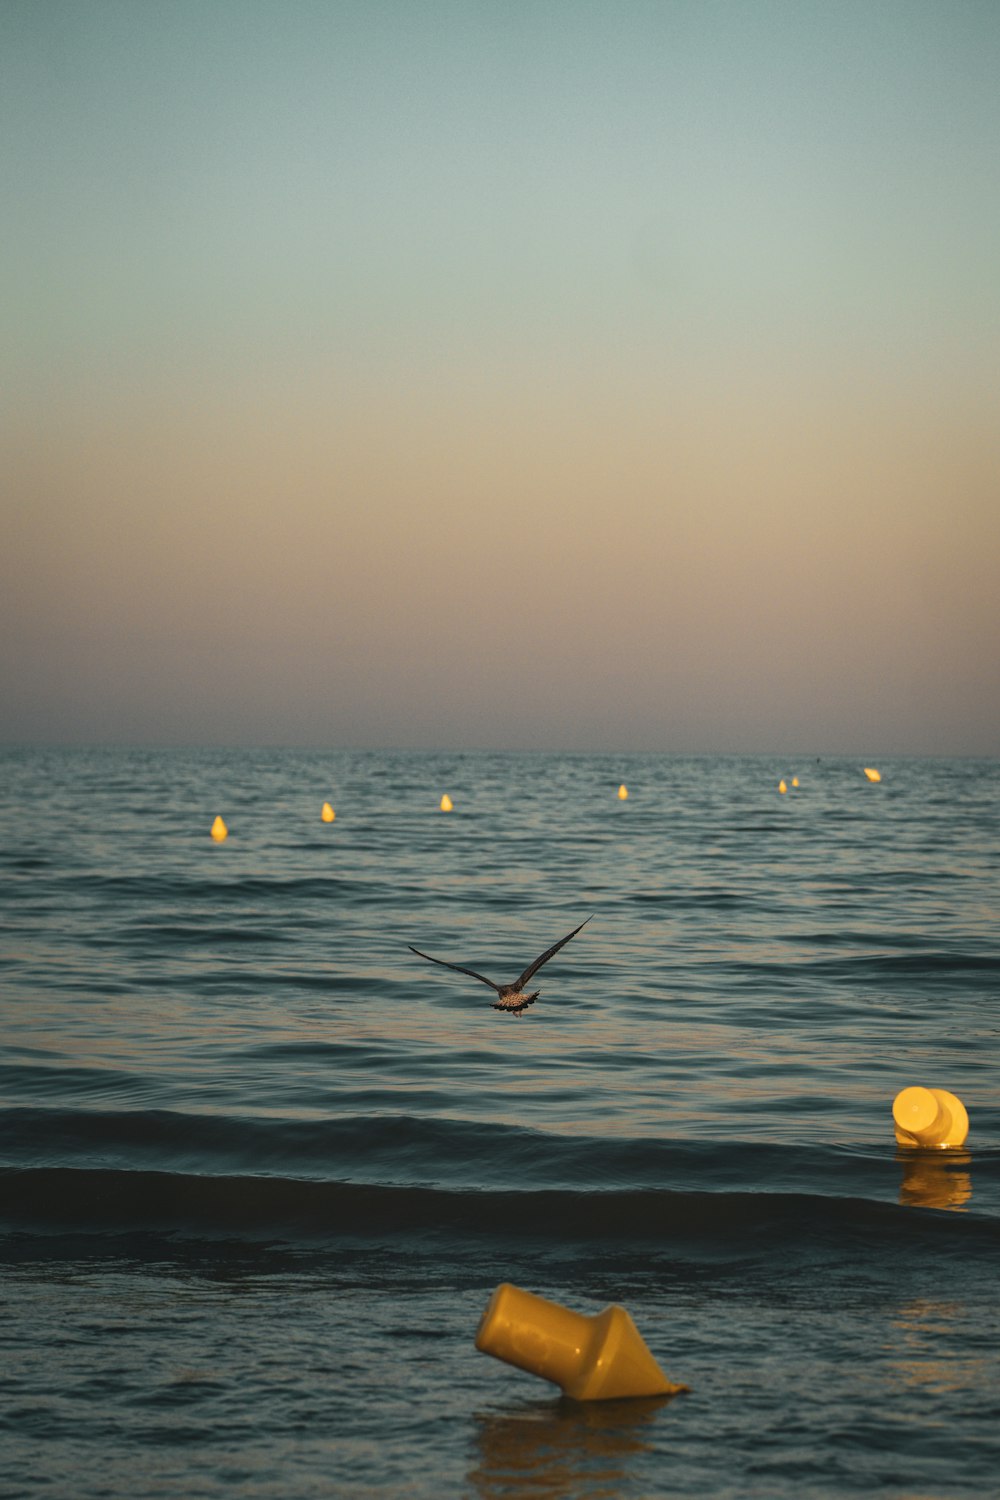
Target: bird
<point>513,1000</point>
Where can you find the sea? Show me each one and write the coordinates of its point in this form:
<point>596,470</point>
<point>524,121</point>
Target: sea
<point>262,1166</point>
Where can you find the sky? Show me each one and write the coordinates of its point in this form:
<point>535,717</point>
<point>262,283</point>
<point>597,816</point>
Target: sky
<point>558,374</point>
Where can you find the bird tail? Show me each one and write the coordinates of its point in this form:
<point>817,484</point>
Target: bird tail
<point>513,1005</point>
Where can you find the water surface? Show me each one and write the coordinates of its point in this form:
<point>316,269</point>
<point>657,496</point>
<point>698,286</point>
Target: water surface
<point>262,1166</point>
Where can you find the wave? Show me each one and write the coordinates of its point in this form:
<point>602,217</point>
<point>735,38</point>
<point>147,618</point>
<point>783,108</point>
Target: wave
<point>194,889</point>
<point>397,1148</point>
<point>730,1225</point>
<point>104,1171</point>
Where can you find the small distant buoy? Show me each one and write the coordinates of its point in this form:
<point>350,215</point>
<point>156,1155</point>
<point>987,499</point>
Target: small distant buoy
<point>872,774</point>
<point>219,831</point>
<point>328,813</point>
<point>623,791</point>
<point>601,1357</point>
<point>795,781</point>
<point>929,1118</point>
<point>782,787</point>
<point>446,803</point>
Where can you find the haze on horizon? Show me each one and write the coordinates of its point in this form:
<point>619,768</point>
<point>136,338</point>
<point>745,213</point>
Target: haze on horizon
<point>554,373</point>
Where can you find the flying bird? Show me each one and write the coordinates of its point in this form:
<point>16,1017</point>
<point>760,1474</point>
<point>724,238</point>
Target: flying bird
<point>512,999</point>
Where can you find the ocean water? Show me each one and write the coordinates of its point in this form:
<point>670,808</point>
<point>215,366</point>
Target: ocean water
<point>261,1167</point>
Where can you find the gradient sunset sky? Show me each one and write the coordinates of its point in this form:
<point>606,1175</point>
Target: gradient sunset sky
<point>574,375</point>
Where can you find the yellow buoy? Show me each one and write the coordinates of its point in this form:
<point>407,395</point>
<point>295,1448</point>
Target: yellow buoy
<point>782,787</point>
<point>219,831</point>
<point>328,813</point>
<point>795,781</point>
<point>929,1118</point>
<point>599,1358</point>
<point>446,803</point>
<point>623,791</point>
<point>872,774</point>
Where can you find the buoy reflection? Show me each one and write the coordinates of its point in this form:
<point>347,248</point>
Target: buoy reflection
<point>565,1450</point>
<point>928,1340</point>
<point>935,1179</point>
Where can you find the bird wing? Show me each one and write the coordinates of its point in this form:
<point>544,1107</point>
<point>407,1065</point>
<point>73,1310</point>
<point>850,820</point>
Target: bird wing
<point>549,952</point>
<point>459,968</point>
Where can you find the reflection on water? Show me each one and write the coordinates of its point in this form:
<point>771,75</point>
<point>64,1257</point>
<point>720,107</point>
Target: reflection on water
<point>935,1179</point>
<point>926,1336</point>
<point>576,1450</point>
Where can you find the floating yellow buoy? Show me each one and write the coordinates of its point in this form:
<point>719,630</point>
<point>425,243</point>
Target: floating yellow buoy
<point>929,1118</point>
<point>795,781</point>
<point>782,787</point>
<point>328,813</point>
<point>446,803</point>
<point>872,774</point>
<point>219,831</point>
<point>599,1358</point>
<point>623,791</point>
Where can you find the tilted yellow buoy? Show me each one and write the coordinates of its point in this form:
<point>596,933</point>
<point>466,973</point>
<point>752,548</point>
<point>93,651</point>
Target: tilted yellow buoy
<point>446,803</point>
<point>599,1358</point>
<point>872,774</point>
<point>219,831</point>
<point>929,1118</point>
<point>782,787</point>
<point>623,791</point>
<point>328,813</point>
